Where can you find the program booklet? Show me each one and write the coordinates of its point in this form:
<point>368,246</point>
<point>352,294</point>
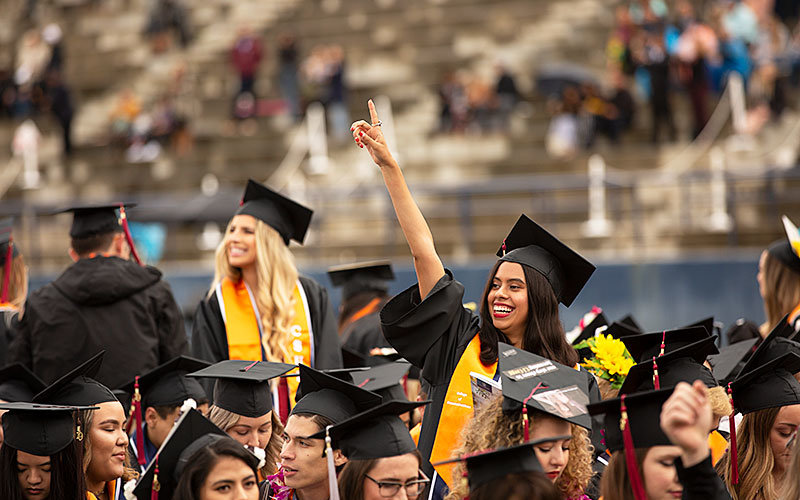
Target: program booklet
<point>484,389</point>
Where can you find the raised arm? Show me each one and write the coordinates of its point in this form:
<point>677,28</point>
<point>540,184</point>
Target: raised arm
<point>427,263</point>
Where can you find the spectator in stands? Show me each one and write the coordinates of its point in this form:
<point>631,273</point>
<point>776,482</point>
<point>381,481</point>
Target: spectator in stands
<point>165,16</point>
<point>563,134</point>
<point>480,102</point>
<point>507,96</point>
<point>623,101</point>
<point>33,55</point>
<point>123,115</point>
<point>336,92</point>
<point>59,102</point>
<point>246,59</point>
<point>453,109</point>
<point>654,57</point>
<point>601,115</point>
<point>288,74</point>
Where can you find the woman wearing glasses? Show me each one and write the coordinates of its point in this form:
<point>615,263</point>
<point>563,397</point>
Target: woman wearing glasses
<point>379,478</point>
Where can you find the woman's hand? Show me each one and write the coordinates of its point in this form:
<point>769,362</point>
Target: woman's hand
<point>686,418</point>
<point>370,136</point>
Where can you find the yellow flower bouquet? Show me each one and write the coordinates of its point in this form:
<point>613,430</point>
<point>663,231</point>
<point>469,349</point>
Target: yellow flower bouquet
<point>611,360</point>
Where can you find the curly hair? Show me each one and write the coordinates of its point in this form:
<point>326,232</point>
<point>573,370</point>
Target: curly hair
<point>491,428</point>
<point>277,279</point>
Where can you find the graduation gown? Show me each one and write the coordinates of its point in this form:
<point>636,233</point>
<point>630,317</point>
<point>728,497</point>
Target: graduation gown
<point>433,334</point>
<point>701,481</point>
<point>210,340</point>
<point>365,334</point>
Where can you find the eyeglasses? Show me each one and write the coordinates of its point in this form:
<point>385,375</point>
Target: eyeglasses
<point>414,488</point>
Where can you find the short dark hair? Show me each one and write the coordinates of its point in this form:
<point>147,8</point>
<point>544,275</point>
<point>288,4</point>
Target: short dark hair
<point>203,460</point>
<point>67,479</point>
<point>518,486</point>
<point>93,243</point>
<point>353,474</point>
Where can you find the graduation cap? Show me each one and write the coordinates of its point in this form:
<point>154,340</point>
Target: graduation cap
<point>707,323</point>
<point>530,244</point>
<point>645,346</point>
<point>41,430</point>
<point>684,364</point>
<point>363,276</point>
<point>375,433</point>
<point>288,217</point>
<point>619,330</point>
<point>491,465</point>
<point>531,381</point>
<point>589,332</point>
<point>168,384</point>
<point>727,364</point>
<point>92,220</point>
<point>630,322</point>
<point>331,397</point>
<point>354,359</point>
<point>773,346</point>
<point>787,251</point>
<point>160,475</point>
<point>630,422</point>
<point>78,388</point>
<point>242,387</point>
<point>769,385</point>
<point>385,380</point>
<point>17,383</point>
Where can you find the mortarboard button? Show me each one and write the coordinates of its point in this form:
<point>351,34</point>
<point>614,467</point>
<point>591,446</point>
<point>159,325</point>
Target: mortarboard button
<point>287,217</point>
<point>530,244</point>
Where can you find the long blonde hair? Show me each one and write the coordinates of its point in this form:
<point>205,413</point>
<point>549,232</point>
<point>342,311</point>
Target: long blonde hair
<point>792,488</point>
<point>17,282</point>
<point>491,428</point>
<point>755,458</point>
<point>225,419</point>
<point>781,291</point>
<point>277,279</point>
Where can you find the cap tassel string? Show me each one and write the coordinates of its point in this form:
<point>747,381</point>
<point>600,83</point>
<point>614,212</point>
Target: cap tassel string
<point>525,423</point>
<point>7,271</point>
<point>156,485</point>
<point>656,380</point>
<point>663,342</point>
<point>137,414</point>
<point>630,454</point>
<point>734,451</point>
<point>333,484</point>
<point>128,236</point>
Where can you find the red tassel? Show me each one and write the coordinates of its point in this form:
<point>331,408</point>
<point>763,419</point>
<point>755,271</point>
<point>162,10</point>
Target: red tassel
<point>156,485</point>
<point>7,271</point>
<point>137,409</point>
<point>734,451</point>
<point>525,423</point>
<point>128,236</point>
<point>283,397</point>
<point>656,380</point>
<point>663,341</point>
<point>630,454</point>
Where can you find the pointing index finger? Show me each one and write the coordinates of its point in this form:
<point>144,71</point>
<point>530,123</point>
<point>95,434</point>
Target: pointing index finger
<point>373,113</point>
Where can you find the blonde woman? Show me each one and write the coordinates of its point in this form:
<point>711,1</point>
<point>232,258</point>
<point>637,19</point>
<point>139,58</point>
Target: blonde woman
<point>779,281</point>
<point>259,307</point>
<point>14,286</point>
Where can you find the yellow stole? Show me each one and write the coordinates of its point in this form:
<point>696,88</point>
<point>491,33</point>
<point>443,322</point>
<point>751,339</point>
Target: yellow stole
<point>111,489</point>
<point>457,408</point>
<point>243,327</point>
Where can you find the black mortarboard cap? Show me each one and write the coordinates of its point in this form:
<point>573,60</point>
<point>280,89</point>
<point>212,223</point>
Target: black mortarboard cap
<point>169,385</point>
<point>331,397</point>
<point>78,388</point>
<point>18,384</point>
<point>496,464</point>
<point>6,226</point>
<point>41,430</point>
<point>774,345</point>
<point>629,321</point>
<point>530,244</point>
<point>363,276</point>
<point>544,385</point>
<point>375,433</point>
<point>288,217</point>
<point>728,363</point>
<point>684,364</point>
<point>707,323</point>
<point>618,330</point>
<point>644,413</point>
<point>769,385</point>
<point>242,387</point>
<point>648,345</point>
<point>91,220</point>
<point>384,380</point>
<point>354,359</point>
<point>190,427</point>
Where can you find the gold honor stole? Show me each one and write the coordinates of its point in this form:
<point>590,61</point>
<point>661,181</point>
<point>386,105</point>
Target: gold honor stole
<point>457,409</point>
<point>243,328</point>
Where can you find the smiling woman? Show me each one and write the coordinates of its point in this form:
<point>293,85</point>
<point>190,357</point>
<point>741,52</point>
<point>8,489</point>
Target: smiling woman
<point>430,328</point>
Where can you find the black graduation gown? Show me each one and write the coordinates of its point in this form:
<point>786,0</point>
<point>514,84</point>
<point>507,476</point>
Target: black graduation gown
<point>6,319</point>
<point>210,340</point>
<point>364,334</point>
<point>701,481</point>
<point>432,334</point>
<point>102,303</point>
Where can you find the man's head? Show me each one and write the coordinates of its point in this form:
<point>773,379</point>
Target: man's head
<point>303,459</point>
<point>109,244</point>
<point>97,229</point>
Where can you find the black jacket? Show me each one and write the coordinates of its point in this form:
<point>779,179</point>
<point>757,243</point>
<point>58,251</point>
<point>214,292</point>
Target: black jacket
<point>100,303</point>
